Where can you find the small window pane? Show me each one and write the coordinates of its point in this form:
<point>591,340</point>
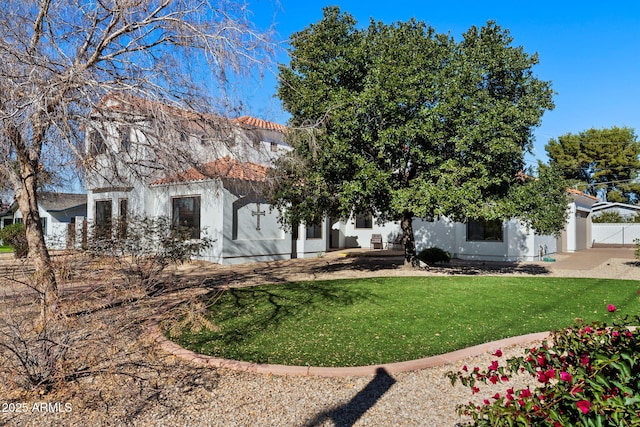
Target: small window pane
<point>364,221</point>
<point>482,230</point>
<point>314,231</point>
<point>186,215</point>
<point>103,219</point>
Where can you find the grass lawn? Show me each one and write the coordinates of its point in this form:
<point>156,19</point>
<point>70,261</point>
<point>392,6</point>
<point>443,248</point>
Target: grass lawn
<point>5,249</point>
<point>355,322</point>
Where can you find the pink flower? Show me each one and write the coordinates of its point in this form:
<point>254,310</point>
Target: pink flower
<point>583,405</point>
<point>542,377</point>
<point>584,360</point>
<point>575,390</point>
<point>498,353</point>
<point>525,393</point>
<point>496,396</point>
<point>542,361</point>
<point>475,390</point>
<point>493,379</point>
<point>486,402</point>
<point>464,368</point>
<point>550,374</point>
<point>493,366</point>
<point>566,376</point>
<point>611,308</point>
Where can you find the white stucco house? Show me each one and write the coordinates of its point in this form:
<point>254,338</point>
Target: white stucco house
<point>218,197</point>
<point>476,240</point>
<point>221,195</point>
<point>59,213</point>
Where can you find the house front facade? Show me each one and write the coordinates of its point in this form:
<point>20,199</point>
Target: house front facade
<point>220,197</point>
<point>215,192</point>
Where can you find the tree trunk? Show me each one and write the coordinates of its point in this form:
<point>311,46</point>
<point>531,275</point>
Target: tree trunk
<point>408,240</point>
<point>44,280</point>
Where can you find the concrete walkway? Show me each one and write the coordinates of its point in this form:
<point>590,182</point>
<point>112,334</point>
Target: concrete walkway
<point>590,258</point>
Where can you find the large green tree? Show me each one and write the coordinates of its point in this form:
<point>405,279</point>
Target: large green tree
<point>402,122</point>
<point>601,162</point>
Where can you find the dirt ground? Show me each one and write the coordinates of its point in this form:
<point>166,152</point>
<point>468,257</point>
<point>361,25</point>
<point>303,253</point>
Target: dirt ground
<point>114,374</point>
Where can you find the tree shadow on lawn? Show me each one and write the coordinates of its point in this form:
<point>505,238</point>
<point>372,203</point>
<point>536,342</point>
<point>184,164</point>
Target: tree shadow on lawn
<point>276,304</point>
<point>490,267</point>
<point>455,267</point>
<point>216,276</point>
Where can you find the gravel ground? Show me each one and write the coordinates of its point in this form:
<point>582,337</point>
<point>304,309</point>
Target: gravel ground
<point>146,387</point>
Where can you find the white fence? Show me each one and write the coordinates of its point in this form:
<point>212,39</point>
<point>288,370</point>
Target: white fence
<point>615,234</point>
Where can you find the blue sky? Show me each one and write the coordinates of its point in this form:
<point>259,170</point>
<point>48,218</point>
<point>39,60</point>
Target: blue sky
<point>589,50</point>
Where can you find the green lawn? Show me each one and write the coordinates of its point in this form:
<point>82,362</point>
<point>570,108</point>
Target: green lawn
<point>5,249</point>
<point>370,321</point>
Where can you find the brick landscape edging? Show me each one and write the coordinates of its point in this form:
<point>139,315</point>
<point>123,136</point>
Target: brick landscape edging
<point>410,365</point>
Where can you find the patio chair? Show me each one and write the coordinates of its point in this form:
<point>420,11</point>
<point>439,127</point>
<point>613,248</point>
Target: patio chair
<point>376,241</point>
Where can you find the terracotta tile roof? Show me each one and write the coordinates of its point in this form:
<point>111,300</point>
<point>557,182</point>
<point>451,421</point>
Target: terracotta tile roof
<point>259,123</point>
<point>581,193</point>
<point>224,168</point>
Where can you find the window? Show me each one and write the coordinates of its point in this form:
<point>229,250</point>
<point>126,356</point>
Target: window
<point>185,215</point>
<point>103,219</point>
<point>122,219</point>
<point>43,221</point>
<point>125,139</point>
<point>274,146</point>
<point>314,231</point>
<point>364,220</point>
<point>96,142</point>
<point>482,230</point>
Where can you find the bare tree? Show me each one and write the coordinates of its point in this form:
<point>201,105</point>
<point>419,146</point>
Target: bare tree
<point>59,60</point>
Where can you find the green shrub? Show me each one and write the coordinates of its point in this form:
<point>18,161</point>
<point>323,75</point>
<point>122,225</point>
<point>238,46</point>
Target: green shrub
<point>434,256</point>
<point>144,247</point>
<point>587,375</point>
<point>608,217</point>
<point>14,235</point>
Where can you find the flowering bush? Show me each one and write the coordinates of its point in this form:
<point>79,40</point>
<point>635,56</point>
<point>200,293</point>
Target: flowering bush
<point>586,375</point>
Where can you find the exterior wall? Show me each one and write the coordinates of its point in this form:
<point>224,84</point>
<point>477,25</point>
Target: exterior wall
<point>304,247</point>
<point>615,234</point>
<point>518,243</point>
<point>243,241</point>
<point>349,236</point>
<point>577,233</point>
<point>56,225</point>
<point>159,203</point>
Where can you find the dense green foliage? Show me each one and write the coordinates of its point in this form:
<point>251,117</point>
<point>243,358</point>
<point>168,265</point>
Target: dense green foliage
<point>434,256</point>
<point>401,122</point>
<point>14,236</point>
<point>361,322</point>
<point>587,375</point>
<point>601,162</point>
<point>615,217</point>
